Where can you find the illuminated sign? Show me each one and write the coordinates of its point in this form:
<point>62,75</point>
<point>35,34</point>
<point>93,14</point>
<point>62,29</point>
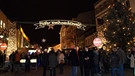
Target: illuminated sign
<point>31,51</point>
<point>33,60</point>
<point>3,46</point>
<point>97,42</point>
<point>22,60</point>
<point>49,23</point>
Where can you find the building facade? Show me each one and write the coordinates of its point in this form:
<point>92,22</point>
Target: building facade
<point>67,37</point>
<point>11,35</point>
<point>70,36</point>
<point>5,31</point>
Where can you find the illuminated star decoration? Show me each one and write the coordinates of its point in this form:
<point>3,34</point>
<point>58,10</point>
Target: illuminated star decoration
<point>43,40</point>
<point>50,26</point>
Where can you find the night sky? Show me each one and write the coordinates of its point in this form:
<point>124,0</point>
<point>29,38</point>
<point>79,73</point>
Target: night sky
<point>28,12</point>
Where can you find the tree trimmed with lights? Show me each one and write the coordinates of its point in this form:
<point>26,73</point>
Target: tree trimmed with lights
<point>120,28</point>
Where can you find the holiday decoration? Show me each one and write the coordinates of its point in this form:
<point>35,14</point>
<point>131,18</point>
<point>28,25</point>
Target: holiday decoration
<point>43,40</point>
<point>120,25</point>
<point>51,23</point>
<point>50,27</point>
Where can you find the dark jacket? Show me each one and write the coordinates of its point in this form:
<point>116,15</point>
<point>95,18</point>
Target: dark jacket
<point>44,59</point>
<point>52,60</point>
<point>81,57</point>
<point>89,54</point>
<point>27,57</point>
<point>114,60</point>
<point>74,58</point>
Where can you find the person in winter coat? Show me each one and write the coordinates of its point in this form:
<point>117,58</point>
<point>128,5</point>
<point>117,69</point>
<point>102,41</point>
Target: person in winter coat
<point>52,62</point>
<point>44,61</point>
<point>81,53</point>
<point>74,58</point>
<point>61,61</point>
<point>17,61</point>
<point>88,62</point>
<point>122,55</point>
<point>27,63</point>
<point>12,60</point>
<point>114,62</point>
<point>132,59</point>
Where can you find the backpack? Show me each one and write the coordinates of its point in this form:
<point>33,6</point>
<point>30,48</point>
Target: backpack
<point>114,60</point>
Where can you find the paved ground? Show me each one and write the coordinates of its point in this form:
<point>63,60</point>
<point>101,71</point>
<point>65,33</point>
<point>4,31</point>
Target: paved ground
<point>67,72</point>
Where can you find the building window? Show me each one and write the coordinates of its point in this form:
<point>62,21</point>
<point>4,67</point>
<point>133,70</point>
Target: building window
<point>4,26</point>
<point>1,24</point>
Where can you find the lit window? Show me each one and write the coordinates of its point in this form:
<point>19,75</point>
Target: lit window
<point>1,24</point>
<point>4,25</point>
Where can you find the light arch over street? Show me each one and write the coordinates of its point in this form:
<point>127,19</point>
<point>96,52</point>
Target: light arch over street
<point>51,23</point>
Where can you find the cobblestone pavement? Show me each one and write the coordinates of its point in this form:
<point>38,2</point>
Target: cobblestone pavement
<point>67,72</point>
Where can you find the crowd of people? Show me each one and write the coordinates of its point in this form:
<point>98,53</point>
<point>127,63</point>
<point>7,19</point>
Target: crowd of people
<point>90,61</point>
<point>94,61</point>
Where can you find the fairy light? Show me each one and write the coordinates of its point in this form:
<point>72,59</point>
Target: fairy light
<point>128,43</point>
<point>109,6</point>
<point>128,28</point>
<point>114,32</point>
<point>123,28</point>
<point>130,8</point>
<point>118,20</point>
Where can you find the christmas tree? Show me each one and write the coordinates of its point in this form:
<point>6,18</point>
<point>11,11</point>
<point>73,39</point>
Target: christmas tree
<point>120,29</point>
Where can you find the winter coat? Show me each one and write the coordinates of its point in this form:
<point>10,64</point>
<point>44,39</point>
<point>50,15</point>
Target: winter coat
<point>52,60</point>
<point>44,59</point>
<point>122,55</point>
<point>132,61</point>
<point>61,58</point>
<point>74,58</point>
<point>90,55</point>
<point>96,57</point>
<point>114,60</point>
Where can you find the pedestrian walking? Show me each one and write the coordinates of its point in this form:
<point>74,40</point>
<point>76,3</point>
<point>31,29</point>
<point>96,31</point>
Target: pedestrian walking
<point>81,53</point>
<point>131,56</point>
<point>27,62</point>
<point>74,58</point>
<point>17,61</point>
<point>61,61</point>
<point>88,62</point>
<point>96,61</point>
<point>122,56</point>
<point>44,61</point>
<point>52,62</point>
<point>12,60</point>
<point>114,62</point>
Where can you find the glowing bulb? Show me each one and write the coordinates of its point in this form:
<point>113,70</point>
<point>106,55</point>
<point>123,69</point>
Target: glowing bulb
<point>129,8</point>
<point>128,28</point>
<point>114,32</point>
<point>109,6</point>
<point>123,28</point>
<point>128,43</point>
<point>130,19</point>
<point>118,20</point>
